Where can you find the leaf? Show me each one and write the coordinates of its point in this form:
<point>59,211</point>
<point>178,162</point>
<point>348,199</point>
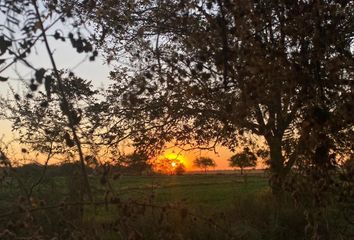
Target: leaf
<point>44,104</point>
<point>33,87</point>
<point>3,79</point>
<point>4,44</point>
<point>56,35</point>
<point>39,75</point>
<point>37,26</point>
<point>68,140</point>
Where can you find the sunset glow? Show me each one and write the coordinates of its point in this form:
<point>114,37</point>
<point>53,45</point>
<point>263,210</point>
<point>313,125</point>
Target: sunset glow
<point>176,120</point>
<point>175,157</point>
<point>168,162</point>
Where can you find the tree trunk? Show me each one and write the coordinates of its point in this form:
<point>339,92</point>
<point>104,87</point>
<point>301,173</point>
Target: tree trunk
<point>277,168</point>
<point>241,170</point>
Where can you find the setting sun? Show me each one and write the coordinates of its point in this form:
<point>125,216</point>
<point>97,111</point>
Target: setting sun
<point>175,158</point>
<point>170,162</point>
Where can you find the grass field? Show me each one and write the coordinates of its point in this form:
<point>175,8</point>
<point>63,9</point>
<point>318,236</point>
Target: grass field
<point>209,191</point>
<point>241,205</point>
<point>191,206</point>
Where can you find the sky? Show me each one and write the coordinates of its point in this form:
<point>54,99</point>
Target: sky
<point>221,156</point>
<point>66,58</point>
<point>97,71</point>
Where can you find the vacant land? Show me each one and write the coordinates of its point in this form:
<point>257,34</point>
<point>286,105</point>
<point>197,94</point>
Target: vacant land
<point>211,192</point>
<point>192,206</point>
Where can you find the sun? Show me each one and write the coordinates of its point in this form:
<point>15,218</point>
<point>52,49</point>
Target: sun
<point>168,162</point>
<point>175,158</point>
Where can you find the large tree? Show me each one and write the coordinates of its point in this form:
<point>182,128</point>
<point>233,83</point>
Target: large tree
<point>210,71</point>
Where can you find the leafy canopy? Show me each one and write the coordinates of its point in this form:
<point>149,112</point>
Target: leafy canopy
<point>243,159</point>
<point>215,72</point>
<point>204,162</point>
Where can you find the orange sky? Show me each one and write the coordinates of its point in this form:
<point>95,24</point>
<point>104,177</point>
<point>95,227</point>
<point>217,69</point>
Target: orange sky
<point>221,157</point>
<point>97,72</point>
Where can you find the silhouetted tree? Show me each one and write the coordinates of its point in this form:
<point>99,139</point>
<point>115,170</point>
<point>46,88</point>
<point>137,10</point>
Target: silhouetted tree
<point>136,162</point>
<point>214,71</point>
<point>168,166</point>
<point>243,160</point>
<point>204,163</point>
<point>26,24</point>
<point>180,169</point>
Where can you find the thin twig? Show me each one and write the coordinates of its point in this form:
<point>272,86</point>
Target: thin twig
<point>30,46</point>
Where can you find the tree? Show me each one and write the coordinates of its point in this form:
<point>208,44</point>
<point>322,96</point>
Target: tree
<point>44,126</point>
<point>168,166</point>
<point>204,163</point>
<point>243,160</point>
<point>26,24</point>
<point>136,162</point>
<point>211,71</point>
<point>180,169</point>
<point>50,119</point>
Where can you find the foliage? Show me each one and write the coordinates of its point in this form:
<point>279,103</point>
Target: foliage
<point>180,169</point>
<point>135,163</point>
<point>244,159</point>
<point>25,25</point>
<point>168,166</point>
<point>205,73</point>
<point>41,122</point>
<point>204,163</point>
<point>200,73</point>
<point>49,121</point>
<point>175,211</point>
<point>22,28</point>
<point>209,71</point>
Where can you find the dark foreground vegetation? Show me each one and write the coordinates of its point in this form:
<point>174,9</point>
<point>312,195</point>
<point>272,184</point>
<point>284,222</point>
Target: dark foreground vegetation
<point>162,207</point>
<point>191,206</point>
<point>274,78</point>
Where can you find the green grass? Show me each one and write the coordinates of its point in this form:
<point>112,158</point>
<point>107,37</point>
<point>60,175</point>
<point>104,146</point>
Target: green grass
<point>242,205</point>
<point>195,207</point>
<point>207,196</point>
<point>197,191</point>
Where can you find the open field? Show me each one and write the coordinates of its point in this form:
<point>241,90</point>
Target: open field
<point>208,191</point>
<point>197,206</point>
<point>234,203</point>
<point>216,189</point>
<point>127,120</point>
<point>192,206</point>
